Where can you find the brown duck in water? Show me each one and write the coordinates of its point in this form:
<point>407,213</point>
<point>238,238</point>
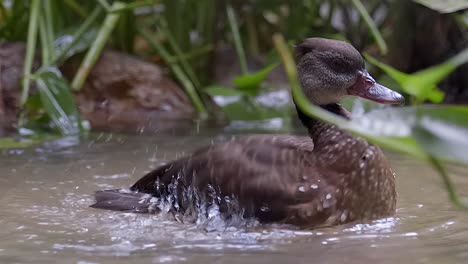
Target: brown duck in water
<point>326,179</point>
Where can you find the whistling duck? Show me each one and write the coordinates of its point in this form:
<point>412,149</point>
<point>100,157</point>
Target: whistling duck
<point>327,178</point>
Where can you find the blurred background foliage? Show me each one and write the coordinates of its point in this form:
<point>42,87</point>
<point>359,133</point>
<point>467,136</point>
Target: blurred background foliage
<point>187,35</point>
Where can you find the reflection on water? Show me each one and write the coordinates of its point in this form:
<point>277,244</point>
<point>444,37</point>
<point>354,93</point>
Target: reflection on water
<point>45,193</point>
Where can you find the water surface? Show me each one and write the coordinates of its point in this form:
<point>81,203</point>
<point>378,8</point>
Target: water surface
<point>44,216</point>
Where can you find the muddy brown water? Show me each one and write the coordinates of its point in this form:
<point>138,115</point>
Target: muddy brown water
<point>44,216</point>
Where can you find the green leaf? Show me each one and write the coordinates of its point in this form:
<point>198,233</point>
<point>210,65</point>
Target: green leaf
<point>436,95</point>
<point>216,90</point>
<point>422,84</point>
<point>397,75</point>
<point>447,6</point>
<point>251,82</point>
<point>57,99</point>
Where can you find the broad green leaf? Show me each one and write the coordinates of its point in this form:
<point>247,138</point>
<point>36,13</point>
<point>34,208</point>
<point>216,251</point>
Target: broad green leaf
<point>446,6</point>
<point>397,75</point>
<point>58,102</point>
<point>216,90</point>
<point>424,82</point>
<point>33,103</point>
<point>421,84</point>
<point>251,82</point>
<point>436,95</point>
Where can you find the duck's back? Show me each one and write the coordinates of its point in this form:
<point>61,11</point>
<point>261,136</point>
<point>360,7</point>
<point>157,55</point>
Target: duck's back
<point>271,177</point>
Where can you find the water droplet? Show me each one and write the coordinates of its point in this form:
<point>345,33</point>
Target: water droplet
<point>328,196</point>
<point>314,186</point>
<point>265,208</point>
<point>301,189</point>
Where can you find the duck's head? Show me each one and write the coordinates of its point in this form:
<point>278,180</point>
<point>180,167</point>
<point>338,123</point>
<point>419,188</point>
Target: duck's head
<point>330,70</point>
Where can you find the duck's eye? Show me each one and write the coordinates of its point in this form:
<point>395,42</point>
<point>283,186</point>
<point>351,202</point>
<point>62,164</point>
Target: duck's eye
<point>339,65</point>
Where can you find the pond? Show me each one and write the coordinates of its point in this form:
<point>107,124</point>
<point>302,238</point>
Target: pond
<point>44,215</point>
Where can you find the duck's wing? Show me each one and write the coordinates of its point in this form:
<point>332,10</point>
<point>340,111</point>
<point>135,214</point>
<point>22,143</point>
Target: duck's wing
<point>274,178</point>
<point>271,177</point>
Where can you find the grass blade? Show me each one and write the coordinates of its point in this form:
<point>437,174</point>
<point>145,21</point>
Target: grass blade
<point>73,5</point>
<point>131,6</point>
<point>30,49</point>
<point>180,56</point>
<point>65,52</point>
<point>237,39</point>
<point>93,53</point>
<point>178,72</point>
<point>370,23</point>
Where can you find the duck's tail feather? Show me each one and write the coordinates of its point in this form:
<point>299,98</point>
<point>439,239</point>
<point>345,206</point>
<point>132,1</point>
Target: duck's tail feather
<point>124,200</point>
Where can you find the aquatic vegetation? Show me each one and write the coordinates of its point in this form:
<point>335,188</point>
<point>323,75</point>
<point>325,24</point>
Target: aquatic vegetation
<point>422,84</point>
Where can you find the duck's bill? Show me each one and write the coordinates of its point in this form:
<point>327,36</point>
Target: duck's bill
<point>366,87</point>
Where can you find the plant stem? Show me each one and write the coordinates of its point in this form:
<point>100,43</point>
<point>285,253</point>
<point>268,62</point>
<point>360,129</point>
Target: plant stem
<point>253,34</point>
<point>58,59</point>
<point>48,19</point>
<point>93,53</point>
<point>237,39</point>
<point>178,72</point>
<point>370,23</point>
<point>192,54</point>
<point>44,44</point>
<point>131,6</point>
<point>454,197</point>
<point>30,49</point>
<point>105,4</point>
<point>73,5</point>
<point>179,55</point>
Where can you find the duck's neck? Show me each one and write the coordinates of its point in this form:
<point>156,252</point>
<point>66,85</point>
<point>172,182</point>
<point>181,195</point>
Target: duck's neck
<point>317,127</point>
